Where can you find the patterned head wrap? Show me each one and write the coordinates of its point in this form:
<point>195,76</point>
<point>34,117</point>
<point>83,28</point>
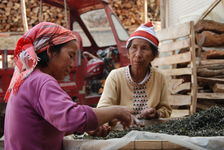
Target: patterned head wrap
<point>36,40</point>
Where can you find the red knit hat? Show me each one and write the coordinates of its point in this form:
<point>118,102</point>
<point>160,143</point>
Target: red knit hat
<point>145,32</point>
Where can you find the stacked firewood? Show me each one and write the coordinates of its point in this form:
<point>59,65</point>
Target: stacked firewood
<point>11,19</point>
<point>10,16</point>
<point>131,13</point>
<point>210,71</point>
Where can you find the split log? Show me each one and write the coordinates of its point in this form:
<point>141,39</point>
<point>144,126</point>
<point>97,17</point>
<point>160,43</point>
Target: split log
<point>212,61</point>
<point>209,81</point>
<point>210,39</point>
<point>212,66</point>
<point>218,88</point>
<point>212,70</point>
<point>213,54</point>
<point>209,25</point>
<point>205,72</point>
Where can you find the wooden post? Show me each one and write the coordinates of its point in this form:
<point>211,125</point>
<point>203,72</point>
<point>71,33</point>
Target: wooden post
<point>40,12</point>
<point>163,13</point>
<point>194,87</point>
<point>24,18</point>
<point>146,11</point>
<point>66,14</point>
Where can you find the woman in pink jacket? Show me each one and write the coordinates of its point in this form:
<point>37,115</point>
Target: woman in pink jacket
<point>39,113</point>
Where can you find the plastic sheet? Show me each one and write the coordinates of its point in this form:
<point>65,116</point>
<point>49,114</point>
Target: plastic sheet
<point>194,143</point>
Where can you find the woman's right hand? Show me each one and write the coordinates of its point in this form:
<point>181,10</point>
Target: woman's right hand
<point>123,115</point>
<point>107,114</point>
<point>101,131</point>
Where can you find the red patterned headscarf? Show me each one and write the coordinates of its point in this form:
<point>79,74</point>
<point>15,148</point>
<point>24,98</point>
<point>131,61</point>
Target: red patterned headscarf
<point>36,40</point>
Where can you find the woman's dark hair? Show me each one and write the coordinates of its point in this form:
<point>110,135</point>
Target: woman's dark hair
<point>155,50</point>
<point>43,57</point>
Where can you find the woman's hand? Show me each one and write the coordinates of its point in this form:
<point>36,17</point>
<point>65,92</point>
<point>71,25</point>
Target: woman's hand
<point>123,115</point>
<point>113,122</point>
<point>101,131</point>
<point>149,113</point>
<point>108,114</point>
<point>136,122</point>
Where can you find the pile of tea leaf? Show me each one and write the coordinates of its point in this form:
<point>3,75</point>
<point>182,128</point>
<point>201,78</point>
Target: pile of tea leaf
<point>204,123</point>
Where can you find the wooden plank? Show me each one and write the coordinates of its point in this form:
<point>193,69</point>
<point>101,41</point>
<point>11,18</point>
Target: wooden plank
<point>181,87</point>
<point>174,32</point>
<point>174,45</point>
<point>173,83</point>
<point>152,145</point>
<point>178,100</point>
<point>129,146</point>
<point>174,59</point>
<point>171,146</point>
<point>176,113</point>
<point>211,96</point>
<point>178,71</point>
<point>8,42</point>
<point>145,145</point>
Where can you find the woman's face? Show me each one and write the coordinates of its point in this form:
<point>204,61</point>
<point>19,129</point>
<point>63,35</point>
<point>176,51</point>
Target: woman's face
<point>140,53</point>
<point>60,64</point>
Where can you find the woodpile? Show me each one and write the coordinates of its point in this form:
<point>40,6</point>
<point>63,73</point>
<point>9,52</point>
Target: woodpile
<point>131,13</point>
<point>11,19</point>
<point>210,71</point>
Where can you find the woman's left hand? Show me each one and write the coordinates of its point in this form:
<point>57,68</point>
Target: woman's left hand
<point>149,113</point>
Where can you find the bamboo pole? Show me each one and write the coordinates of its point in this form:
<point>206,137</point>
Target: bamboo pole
<point>24,17</point>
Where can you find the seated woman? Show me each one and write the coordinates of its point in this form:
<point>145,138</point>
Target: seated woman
<point>139,86</point>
